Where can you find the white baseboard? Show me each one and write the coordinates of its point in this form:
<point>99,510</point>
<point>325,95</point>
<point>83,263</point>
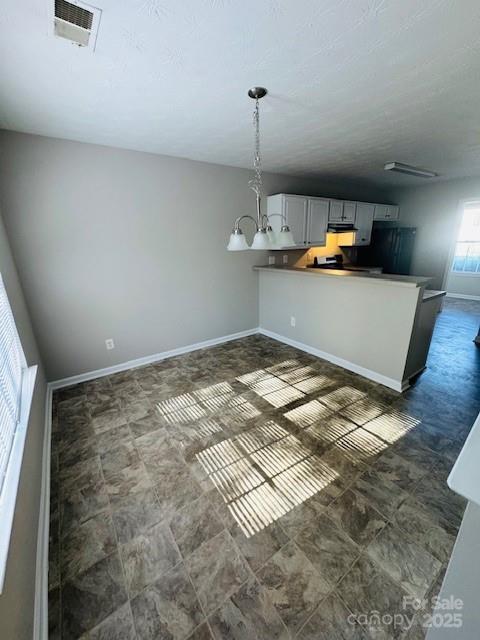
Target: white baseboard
<point>351,366</point>
<point>156,357</point>
<point>40,621</point>
<point>462,296</point>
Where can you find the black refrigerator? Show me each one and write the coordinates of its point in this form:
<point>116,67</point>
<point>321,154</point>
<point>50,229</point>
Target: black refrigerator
<point>390,248</point>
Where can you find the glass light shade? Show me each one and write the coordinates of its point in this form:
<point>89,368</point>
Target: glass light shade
<point>272,237</point>
<point>285,237</point>
<point>261,241</point>
<point>237,242</point>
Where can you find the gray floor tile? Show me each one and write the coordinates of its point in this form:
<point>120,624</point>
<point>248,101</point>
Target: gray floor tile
<point>420,526</point>
<point>147,557</point>
<point>217,570</point>
<point>118,457</point>
<point>404,473</point>
<point>261,546</point>
<point>307,511</point>
<point>194,524</point>
<point>127,481</point>
<point>91,596</point>
<point>447,506</point>
<point>167,609</point>
<point>383,495</point>
<point>118,626</point>
<point>201,633</point>
<point>135,513</point>
<point>407,563</point>
<point>332,621</point>
<point>356,517</point>
<point>366,589</point>
<point>82,499</point>
<point>54,614</point>
<point>332,552</point>
<point>145,424</point>
<point>294,585</point>
<point>86,544</point>
<point>248,613</point>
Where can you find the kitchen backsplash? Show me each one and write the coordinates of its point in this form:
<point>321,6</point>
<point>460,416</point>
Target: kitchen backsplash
<point>302,257</point>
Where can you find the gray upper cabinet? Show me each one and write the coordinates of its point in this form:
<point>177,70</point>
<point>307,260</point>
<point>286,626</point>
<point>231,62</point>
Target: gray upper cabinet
<point>363,223</point>
<point>349,210</point>
<point>294,210</point>
<point>317,222</point>
<point>308,217</point>
<point>342,211</point>
<point>336,211</point>
<point>386,212</point>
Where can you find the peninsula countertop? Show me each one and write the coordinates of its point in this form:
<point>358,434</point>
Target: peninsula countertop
<point>381,278</point>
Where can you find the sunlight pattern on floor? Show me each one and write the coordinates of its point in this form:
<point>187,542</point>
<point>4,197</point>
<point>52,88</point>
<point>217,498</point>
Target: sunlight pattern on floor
<point>391,426</point>
<point>332,429</point>
<point>275,473</point>
<point>262,435</point>
<point>266,471</point>
<point>308,413</point>
<point>198,405</point>
<point>364,410</point>
<point>361,446</point>
<point>268,482</point>
<point>336,400</point>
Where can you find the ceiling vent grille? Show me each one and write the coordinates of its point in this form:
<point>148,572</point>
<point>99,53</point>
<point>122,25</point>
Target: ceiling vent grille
<point>74,14</point>
<point>76,22</point>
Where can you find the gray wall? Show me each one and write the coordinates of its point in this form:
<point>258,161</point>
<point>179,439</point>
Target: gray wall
<point>464,284</point>
<point>17,599</point>
<point>130,246</point>
<point>462,581</point>
<point>433,209</point>
<point>351,318</point>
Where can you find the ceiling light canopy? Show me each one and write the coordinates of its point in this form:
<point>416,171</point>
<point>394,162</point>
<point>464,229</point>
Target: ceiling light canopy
<point>399,167</point>
<point>265,237</point>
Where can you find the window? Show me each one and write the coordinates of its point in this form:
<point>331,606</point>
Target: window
<point>16,390</point>
<point>467,250</point>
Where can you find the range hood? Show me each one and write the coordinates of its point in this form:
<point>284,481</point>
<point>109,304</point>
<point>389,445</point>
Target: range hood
<point>341,227</point>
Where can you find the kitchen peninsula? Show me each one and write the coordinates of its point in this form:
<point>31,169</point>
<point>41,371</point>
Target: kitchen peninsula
<point>376,325</point>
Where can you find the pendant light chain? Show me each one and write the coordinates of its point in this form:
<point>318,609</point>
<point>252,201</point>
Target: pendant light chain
<point>256,182</point>
<point>265,238</point>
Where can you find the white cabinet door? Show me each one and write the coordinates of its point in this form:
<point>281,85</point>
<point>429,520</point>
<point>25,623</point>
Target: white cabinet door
<point>386,212</point>
<point>318,209</point>
<point>364,222</point>
<point>392,212</point>
<point>295,210</point>
<point>342,211</point>
<point>349,209</point>
<point>336,211</point>
<point>380,212</point>
<point>276,211</point>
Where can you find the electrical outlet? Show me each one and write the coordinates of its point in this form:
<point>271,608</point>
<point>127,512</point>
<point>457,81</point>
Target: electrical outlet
<point>109,343</point>
<point>285,259</point>
<point>293,321</point>
<point>271,259</point>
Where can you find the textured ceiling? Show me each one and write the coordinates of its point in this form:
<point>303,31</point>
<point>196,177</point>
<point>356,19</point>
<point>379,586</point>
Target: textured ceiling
<point>353,83</point>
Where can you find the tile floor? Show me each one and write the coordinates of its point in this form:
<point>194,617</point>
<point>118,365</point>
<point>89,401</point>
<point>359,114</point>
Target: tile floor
<point>251,491</point>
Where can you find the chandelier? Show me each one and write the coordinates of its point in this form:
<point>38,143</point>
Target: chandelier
<point>265,237</point>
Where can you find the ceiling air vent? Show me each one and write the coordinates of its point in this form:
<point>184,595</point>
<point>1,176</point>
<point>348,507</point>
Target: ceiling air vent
<point>76,22</point>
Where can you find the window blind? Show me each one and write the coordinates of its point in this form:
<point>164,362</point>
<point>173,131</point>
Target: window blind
<point>467,249</point>
<point>12,364</point>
